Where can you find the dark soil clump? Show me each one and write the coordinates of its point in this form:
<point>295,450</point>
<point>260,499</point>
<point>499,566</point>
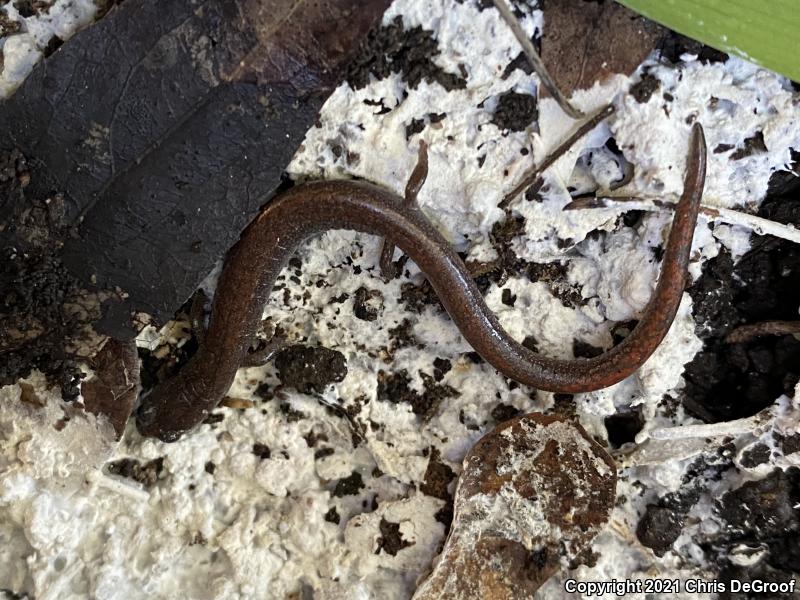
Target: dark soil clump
<point>40,303</point>
<point>438,476</point>
<point>262,451</point>
<point>663,521</point>
<point>659,528</point>
<point>764,509</point>
<point>394,49</point>
<point>644,89</point>
<point>750,146</point>
<point>391,540</point>
<point>332,516</point>
<point>367,304</point>
<point>673,45</point>
<point>762,513</point>
<point>349,486</point>
<point>30,8</point>
<point>147,474</point>
<point>732,380</point>
<point>515,111</point>
<point>504,412</point>
<point>310,369</point>
<point>757,455</point>
<point>396,388</point>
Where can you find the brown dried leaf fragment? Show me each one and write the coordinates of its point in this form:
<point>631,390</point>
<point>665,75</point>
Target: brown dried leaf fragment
<point>585,42</point>
<point>115,386</point>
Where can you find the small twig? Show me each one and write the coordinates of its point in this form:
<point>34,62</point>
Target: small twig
<point>531,176</point>
<point>766,328</point>
<point>758,225</point>
<point>535,60</point>
<point>237,403</point>
<point>713,430</point>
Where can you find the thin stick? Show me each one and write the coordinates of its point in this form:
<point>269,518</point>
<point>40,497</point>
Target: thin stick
<point>765,328</point>
<point>535,60</point>
<point>758,225</point>
<point>531,176</point>
<point>724,428</point>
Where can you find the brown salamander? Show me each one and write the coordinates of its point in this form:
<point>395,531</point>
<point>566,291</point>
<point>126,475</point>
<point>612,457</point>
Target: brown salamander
<point>308,209</point>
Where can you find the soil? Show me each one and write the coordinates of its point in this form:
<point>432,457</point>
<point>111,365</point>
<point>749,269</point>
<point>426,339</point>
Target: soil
<point>410,52</point>
<point>349,486</point>
<point>367,304</point>
<point>663,521</point>
<point>35,320</point>
<point>438,477</point>
<point>729,381</point>
<point>515,111</point>
<point>673,45</point>
<point>391,540</point>
<point>147,474</point>
<point>762,513</point>
<point>310,370</point>
<point>396,388</point>
<point>29,8</point>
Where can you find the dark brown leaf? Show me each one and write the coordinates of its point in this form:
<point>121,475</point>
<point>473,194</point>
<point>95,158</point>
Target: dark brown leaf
<point>585,42</point>
<point>168,124</point>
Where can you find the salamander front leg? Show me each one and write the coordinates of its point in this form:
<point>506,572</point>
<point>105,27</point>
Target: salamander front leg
<point>415,182</point>
<point>266,350</point>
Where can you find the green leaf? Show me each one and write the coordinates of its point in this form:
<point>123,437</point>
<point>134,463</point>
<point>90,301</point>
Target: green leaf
<point>766,32</point>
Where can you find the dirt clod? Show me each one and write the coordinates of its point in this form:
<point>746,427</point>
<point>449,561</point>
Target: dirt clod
<point>332,516</point>
<point>438,477</point>
<point>349,486</point>
<point>757,455</point>
<point>310,369</point>
<point>727,381</point>
<point>394,49</point>
<point>391,540</point>
<point>147,474</point>
<point>504,412</point>
<point>262,451</point>
<point>644,89</point>
<point>396,388</point>
<point>367,304</point>
<point>515,111</point>
<point>659,528</point>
